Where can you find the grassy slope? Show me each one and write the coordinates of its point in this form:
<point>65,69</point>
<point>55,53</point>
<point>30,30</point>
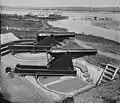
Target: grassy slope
<point>101,44</point>
<point>108,24</point>
<point>106,93</point>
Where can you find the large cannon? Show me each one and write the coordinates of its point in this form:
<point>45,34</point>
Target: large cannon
<point>43,41</point>
<point>60,64</point>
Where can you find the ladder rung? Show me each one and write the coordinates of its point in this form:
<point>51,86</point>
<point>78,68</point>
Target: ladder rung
<point>106,78</point>
<point>103,81</point>
<point>108,74</point>
<point>112,68</point>
<point>109,70</point>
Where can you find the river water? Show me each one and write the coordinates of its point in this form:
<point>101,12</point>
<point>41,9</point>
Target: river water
<point>74,23</point>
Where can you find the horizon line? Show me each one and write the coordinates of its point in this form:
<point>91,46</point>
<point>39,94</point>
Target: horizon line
<point>55,6</point>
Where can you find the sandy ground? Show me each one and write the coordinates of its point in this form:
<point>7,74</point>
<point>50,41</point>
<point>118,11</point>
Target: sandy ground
<point>68,85</point>
<point>13,60</point>
<point>8,37</point>
<point>48,80</point>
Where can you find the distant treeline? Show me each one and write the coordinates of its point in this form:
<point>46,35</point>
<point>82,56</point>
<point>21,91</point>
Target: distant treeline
<point>107,9</point>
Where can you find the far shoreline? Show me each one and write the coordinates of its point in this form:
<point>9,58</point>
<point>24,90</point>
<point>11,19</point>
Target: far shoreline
<point>65,8</point>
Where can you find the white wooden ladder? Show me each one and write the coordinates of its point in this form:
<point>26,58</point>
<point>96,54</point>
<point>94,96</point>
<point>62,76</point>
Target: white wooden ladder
<point>108,74</point>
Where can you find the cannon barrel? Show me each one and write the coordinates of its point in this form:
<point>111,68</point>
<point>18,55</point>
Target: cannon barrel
<point>73,52</point>
<point>28,48</point>
<point>39,72</point>
<point>56,34</point>
<point>59,36</point>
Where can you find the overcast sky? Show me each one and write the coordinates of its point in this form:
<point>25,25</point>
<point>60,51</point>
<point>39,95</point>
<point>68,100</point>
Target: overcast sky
<point>38,3</point>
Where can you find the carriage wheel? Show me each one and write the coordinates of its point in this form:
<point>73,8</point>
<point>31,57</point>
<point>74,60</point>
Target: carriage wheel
<point>11,74</point>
